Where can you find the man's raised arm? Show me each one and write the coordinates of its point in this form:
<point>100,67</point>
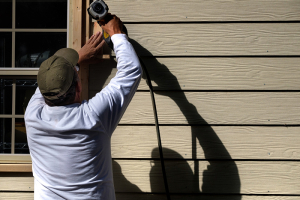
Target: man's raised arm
<point>111,103</point>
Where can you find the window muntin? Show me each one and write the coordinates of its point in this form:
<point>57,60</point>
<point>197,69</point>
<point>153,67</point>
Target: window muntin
<point>26,39</point>
<point>33,48</point>
<point>17,92</point>
<point>29,21</point>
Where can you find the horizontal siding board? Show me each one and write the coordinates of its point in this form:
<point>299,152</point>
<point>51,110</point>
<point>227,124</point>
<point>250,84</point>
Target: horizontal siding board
<point>15,168</point>
<point>16,184</point>
<point>238,108</point>
<point>209,74</point>
<point>201,10</point>
<point>204,142</point>
<point>16,195</point>
<point>215,177</point>
<point>223,73</point>
<point>232,197</point>
<point>132,196</point>
<point>230,39</point>
<point>133,142</point>
<point>139,110</point>
<point>231,142</point>
<point>228,108</point>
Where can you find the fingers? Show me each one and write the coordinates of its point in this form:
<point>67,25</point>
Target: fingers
<point>91,38</point>
<point>98,39</point>
<point>99,47</point>
<point>96,36</point>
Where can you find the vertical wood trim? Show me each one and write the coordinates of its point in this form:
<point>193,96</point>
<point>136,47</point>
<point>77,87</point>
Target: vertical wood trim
<point>84,70</point>
<point>79,34</point>
<point>77,22</point>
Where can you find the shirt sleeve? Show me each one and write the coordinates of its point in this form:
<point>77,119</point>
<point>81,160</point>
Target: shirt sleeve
<point>37,98</point>
<point>111,103</point>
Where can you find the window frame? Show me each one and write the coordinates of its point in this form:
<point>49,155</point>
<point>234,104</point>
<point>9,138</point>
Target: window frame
<point>74,40</point>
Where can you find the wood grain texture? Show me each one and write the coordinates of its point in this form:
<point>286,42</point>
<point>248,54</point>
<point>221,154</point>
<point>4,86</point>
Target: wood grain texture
<point>229,39</point>
<point>216,142</point>
<point>77,24</point>
<point>15,168</point>
<point>238,108</point>
<point>201,10</point>
<point>139,110</point>
<point>215,177</point>
<point>228,107</point>
<point>133,142</point>
<point>16,184</point>
<point>131,196</point>
<point>15,158</point>
<point>70,24</point>
<point>223,73</point>
<point>208,74</point>
<point>16,195</point>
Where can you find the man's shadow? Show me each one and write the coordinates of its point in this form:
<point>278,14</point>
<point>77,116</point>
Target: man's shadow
<point>221,175</point>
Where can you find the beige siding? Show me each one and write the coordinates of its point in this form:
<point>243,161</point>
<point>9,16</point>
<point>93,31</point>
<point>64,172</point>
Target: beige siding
<point>244,108</point>
<point>226,80</point>
<point>203,10</point>
<point>216,39</point>
<point>219,177</point>
<point>130,196</point>
<point>271,73</point>
<point>216,142</point>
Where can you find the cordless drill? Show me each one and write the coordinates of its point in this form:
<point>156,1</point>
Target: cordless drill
<point>98,10</point>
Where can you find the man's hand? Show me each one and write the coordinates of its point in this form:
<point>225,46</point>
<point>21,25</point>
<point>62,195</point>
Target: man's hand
<point>89,53</point>
<point>111,24</point>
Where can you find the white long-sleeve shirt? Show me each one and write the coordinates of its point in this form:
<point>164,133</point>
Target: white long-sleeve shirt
<point>70,145</point>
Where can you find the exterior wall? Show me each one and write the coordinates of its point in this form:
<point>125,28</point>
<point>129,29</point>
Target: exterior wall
<point>226,80</point>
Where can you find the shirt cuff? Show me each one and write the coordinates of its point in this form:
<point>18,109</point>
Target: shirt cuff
<point>118,38</point>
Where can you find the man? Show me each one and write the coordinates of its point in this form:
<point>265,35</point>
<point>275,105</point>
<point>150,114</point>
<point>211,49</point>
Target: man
<point>69,141</point>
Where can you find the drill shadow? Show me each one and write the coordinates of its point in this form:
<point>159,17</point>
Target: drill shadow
<point>220,177</point>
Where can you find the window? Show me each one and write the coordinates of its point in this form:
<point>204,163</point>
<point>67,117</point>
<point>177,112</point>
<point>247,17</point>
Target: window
<point>30,32</point>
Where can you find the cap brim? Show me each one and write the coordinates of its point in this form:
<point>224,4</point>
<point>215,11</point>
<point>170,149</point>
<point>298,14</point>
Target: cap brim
<point>69,54</point>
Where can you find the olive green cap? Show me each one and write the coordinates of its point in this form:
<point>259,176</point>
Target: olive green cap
<point>56,74</point>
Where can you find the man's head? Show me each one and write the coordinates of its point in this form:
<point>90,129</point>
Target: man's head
<point>57,78</point>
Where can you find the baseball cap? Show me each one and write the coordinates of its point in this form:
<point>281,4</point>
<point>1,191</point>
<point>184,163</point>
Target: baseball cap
<point>56,74</point>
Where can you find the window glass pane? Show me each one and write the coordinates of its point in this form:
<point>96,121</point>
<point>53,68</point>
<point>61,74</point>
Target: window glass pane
<point>33,48</point>
<point>5,96</point>
<point>25,90</point>
<point>5,49</point>
<point>21,145</point>
<point>41,14</point>
<point>6,13</point>
<point>5,135</point>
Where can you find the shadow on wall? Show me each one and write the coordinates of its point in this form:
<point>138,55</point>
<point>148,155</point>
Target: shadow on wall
<point>220,177</point>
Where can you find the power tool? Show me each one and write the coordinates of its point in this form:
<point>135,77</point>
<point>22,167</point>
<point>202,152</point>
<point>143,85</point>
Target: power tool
<point>98,10</point>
